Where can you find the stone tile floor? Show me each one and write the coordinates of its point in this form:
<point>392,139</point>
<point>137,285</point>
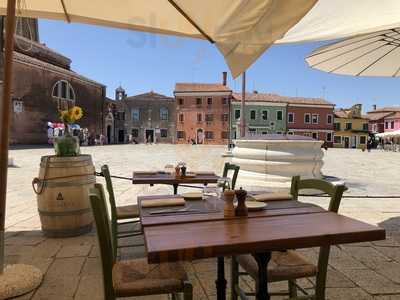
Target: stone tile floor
<point>72,267</point>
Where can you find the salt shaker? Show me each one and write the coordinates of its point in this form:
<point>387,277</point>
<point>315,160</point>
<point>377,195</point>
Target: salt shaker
<point>229,209</point>
<point>241,209</point>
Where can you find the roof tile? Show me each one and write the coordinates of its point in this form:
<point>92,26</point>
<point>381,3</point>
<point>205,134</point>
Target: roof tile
<point>201,87</point>
<point>264,97</point>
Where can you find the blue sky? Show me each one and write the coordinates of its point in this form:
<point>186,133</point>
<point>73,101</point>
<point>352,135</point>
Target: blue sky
<point>141,62</point>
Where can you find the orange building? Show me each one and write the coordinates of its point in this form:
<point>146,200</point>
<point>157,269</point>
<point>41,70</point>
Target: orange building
<point>202,112</point>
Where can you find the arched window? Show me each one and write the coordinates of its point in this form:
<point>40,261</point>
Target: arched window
<point>164,113</point>
<point>64,93</point>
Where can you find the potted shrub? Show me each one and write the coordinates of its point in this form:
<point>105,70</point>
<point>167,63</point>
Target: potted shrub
<point>68,145</point>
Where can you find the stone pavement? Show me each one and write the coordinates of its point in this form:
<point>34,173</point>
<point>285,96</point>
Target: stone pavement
<point>72,267</point>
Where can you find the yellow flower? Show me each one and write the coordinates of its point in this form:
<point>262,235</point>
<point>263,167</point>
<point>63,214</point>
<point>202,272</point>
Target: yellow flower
<point>76,113</point>
<point>65,116</point>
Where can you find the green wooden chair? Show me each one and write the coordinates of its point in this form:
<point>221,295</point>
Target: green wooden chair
<point>130,278</point>
<point>119,213</point>
<point>290,265</point>
<point>231,167</point>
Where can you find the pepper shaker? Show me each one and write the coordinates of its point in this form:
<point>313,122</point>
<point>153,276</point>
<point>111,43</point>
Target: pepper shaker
<point>241,209</point>
<point>229,209</point>
<point>183,171</point>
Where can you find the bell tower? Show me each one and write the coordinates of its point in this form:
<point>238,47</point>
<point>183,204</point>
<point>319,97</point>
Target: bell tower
<point>120,93</point>
<point>28,28</point>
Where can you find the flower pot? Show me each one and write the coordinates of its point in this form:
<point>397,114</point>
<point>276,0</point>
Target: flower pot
<point>66,145</point>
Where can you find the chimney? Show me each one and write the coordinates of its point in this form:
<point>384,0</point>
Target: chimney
<point>374,107</point>
<point>224,74</point>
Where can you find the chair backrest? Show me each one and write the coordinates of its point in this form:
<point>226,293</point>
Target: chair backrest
<point>100,213</point>
<point>113,207</point>
<point>235,168</point>
<point>335,192</point>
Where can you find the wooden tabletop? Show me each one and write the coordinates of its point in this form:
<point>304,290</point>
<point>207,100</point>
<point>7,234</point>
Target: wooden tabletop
<point>207,210</point>
<point>189,241</point>
<point>282,225</point>
<point>166,178</point>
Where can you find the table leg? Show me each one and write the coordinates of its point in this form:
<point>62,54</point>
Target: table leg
<point>220,283</point>
<point>262,260</point>
<point>175,188</point>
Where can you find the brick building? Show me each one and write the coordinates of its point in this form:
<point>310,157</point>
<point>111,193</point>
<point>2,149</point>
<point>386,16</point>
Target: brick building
<point>146,117</point>
<point>202,112</point>
<point>310,117</point>
<point>44,83</point>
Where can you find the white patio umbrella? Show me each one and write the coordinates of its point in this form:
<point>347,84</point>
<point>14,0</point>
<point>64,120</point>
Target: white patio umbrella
<point>374,54</point>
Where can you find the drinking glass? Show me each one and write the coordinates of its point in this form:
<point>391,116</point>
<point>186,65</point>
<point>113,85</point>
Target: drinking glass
<point>210,195</point>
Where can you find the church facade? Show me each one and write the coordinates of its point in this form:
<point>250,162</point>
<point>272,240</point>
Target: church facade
<point>43,84</point>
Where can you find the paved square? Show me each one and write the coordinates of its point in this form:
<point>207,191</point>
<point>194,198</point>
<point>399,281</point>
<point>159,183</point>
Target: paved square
<point>72,266</point>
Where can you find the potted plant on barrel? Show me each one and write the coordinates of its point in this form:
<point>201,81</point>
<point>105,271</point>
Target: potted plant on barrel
<point>63,184</point>
<point>68,145</point>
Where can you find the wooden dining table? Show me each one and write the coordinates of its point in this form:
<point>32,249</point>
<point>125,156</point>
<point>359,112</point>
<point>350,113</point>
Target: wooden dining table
<point>200,231</point>
<point>161,177</point>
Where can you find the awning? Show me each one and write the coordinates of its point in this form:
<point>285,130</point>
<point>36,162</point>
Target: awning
<point>388,134</point>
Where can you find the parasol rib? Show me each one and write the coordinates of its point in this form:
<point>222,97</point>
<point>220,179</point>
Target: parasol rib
<point>345,43</point>
<point>65,11</point>
<point>180,10</point>
<point>341,54</point>
<point>377,60</point>
<point>358,57</point>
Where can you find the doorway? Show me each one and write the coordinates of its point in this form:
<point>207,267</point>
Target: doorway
<point>199,136</point>
<point>121,136</point>
<point>354,142</point>
<point>149,135</point>
<point>346,142</point>
<point>109,134</point>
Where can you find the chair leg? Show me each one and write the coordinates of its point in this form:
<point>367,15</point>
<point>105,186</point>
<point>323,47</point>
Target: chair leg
<point>292,288</point>
<point>234,278</point>
<point>187,291</point>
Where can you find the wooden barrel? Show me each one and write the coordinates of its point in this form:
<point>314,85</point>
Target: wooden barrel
<point>62,195</point>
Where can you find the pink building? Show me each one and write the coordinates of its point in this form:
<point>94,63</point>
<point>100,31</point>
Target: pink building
<point>392,122</point>
<point>376,118</point>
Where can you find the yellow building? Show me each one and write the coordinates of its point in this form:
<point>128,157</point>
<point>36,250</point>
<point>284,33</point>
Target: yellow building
<point>351,128</point>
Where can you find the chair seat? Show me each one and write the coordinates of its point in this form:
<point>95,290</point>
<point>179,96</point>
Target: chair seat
<point>282,266</point>
<point>136,278</point>
<point>127,212</point>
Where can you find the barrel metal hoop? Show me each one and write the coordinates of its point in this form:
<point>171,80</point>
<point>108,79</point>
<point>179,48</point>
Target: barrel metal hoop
<point>62,165</point>
<point>64,213</point>
<point>49,183</point>
<point>62,233</point>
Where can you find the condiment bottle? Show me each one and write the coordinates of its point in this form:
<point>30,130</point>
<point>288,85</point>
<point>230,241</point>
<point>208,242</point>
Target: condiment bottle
<point>241,209</point>
<point>229,209</point>
<point>177,171</point>
<point>183,171</point>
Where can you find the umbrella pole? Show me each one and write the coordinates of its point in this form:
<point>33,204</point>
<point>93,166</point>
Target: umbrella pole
<point>242,107</point>
<point>5,106</point>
